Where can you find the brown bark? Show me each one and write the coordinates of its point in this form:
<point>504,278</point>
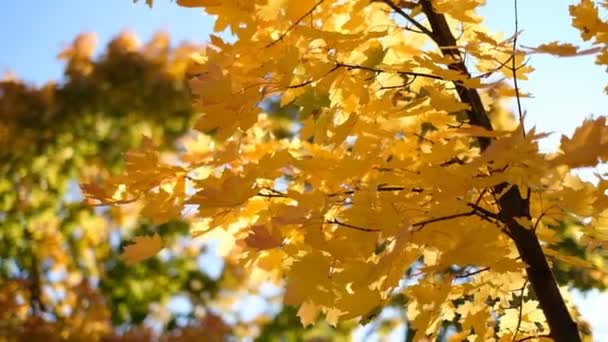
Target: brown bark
<point>511,204</point>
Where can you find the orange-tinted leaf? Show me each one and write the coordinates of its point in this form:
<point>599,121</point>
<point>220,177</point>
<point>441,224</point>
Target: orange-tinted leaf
<point>260,237</point>
<point>198,3</point>
<point>143,247</point>
<point>588,143</point>
<point>308,313</point>
<point>563,49</point>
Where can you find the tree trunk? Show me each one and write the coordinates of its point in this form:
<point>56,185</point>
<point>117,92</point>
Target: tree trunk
<point>563,328</point>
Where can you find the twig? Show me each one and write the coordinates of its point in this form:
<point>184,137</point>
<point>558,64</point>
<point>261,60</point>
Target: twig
<point>408,73</point>
<point>484,212</point>
<point>472,273</point>
<point>480,197</point>
<point>421,224</point>
<point>514,71</point>
<point>271,195</point>
<point>295,23</point>
<point>303,84</point>
<point>408,18</point>
<point>531,337</point>
<point>521,310</point>
<point>347,225</point>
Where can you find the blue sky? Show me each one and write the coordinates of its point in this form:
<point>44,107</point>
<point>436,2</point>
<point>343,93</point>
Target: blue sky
<point>32,32</point>
<point>567,90</point>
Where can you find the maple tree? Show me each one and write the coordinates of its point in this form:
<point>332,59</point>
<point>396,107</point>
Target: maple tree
<point>395,164</point>
<point>65,266</point>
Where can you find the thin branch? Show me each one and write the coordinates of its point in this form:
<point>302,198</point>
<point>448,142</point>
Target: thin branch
<point>274,191</point>
<point>514,71</point>
<point>421,137</point>
<point>407,28</point>
<point>295,23</point>
<point>271,195</point>
<point>452,161</point>
<point>521,310</point>
<point>303,84</point>
<point>374,70</point>
<point>407,17</point>
<point>500,66</point>
<point>112,202</point>
<point>408,73</point>
<point>34,283</point>
<point>531,337</point>
<point>347,225</point>
<point>398,86</point>
<point>472,273</point>
<point>421,224</point>
<point>480,197</point>
<point>484,212</point>
<point>540,217</point>
<point>379,188</point>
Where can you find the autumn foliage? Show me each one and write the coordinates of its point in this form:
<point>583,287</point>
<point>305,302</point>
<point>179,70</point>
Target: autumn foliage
<point>400,178</point>
<point>70,270</point>
<point>396,165</point>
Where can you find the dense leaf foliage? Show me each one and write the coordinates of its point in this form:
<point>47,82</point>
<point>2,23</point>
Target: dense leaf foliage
<point>357,154</point>
<point>395,164</point>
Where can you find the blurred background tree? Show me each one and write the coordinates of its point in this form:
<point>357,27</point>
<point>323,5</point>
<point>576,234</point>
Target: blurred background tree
<point>59,266</point>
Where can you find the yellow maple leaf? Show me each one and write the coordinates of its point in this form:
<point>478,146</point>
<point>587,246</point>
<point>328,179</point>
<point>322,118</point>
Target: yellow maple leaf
<point>143,247</point>
<point>585,17</point>
<point>228,191</point>
<point>308,313</point>
<point>569,259</point>
<point>166,203</point>
<point>297,9</point>
<point>224,104</point>
<point>588,143</point>
<point>563,49</point>
<point>144,168</point>
<point>463,10</point>
<point>441,100</point>
<point>526,318</point>
<point>260,237</point>
<point>521,68</point>
<point>332,316</point>
<point>198,3</point>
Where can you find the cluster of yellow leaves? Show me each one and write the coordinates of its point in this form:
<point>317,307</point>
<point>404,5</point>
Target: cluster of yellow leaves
<point>382,173</point>
<point>143,247</point>
<point>587,19</point>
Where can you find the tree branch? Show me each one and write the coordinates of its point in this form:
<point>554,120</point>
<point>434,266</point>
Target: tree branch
<point>421,224</point>
<point>294,24</point>
<point>521,310</point>
<point>442,35</point>
<point>407,17</point>
<point>484,212</point>
<point>511,204</point>
<point>472,273</point>
<point>531,337</point>
<point>406,73</point>
<point>303,84</point>
<point>514,71</point>
<point>347,225</point>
